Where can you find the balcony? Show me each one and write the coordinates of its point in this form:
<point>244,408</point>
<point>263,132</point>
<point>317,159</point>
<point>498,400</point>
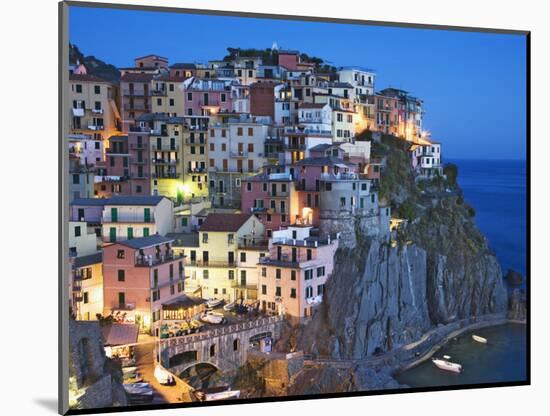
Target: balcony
<point>165,175</point>
<point>150,260</point>
<point>196,170</point>
<point>165,147</point>
<point>129,218</point>
<point>95,127</point>
<point>136,93</point>
<point>159,161</point>
<point>138,146</point>
<point>195,142</point>
<point>158,132</point>
<point>239,155</point>
<point>159,93</point>
<point>253,243</point>
<point>210,263</point>
<point>338,176</point>
<point>97,110</point>
<point>284,262</point>
<point>128,306</point>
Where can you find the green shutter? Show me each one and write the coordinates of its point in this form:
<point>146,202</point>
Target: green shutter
<point>130,233</point>
<point>147,214</point>
<point>146,232</point>
<point>112,234</point>
<point>114,214</point>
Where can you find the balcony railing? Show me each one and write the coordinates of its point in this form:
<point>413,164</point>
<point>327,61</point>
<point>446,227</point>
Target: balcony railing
<point>165,147</point>
<point>153,260</point>
<point>171,162</point>
<point>97,110</point>
<point>196,170</point>
<point>95,127</point>
<point>210,263</point>
<point>241,154</point>
<point>127,306</point>
<point>159,93</point>
<point>165,175</point>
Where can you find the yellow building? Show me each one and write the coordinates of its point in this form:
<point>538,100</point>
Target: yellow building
<point>94,110</point>
<point>167,95</point>
<point>214,264</point>
<point>195,157</point>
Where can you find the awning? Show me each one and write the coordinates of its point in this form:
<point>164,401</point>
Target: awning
<point>119,334</point>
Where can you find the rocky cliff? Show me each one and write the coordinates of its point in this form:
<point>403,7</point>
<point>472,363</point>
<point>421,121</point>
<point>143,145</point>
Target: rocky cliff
<point>436,269</point>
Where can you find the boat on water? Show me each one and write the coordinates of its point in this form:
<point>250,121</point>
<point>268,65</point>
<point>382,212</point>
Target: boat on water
<point>446,365</point>
<point>212,318</point>
<point>163,376</point>
<point>214,303</point>
<point>216,393</point>
<point>479,339</point>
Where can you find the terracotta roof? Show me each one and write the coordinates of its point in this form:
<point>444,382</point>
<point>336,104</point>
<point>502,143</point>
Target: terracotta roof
<point>224,222</point>
<point>183,65</point>
<point>152,55</point>
<point>86,78</point>
<point>136,77</point>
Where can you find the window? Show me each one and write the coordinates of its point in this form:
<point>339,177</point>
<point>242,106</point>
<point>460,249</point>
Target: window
<point>222,98</point>
<point>308,254</point>
<point>308,274</point>
<point>231,274</point>
<point>77,231</point>
<point>320,271</point>
<point>85,297</point>
<point>78,88</point>
<point>230,238</point>
<point>293,275</point>
<point>76,179</point>
<point>189,97</point>
<point>277,290</point>
<point>212,350</point>
<point>309,292</point>
<point>249,186</point>
<point>264,290</point>
<point>97,89</point>
<point>205,238</point>
<point>235,344</point>
<point>293,293</point>
<point>342,201</point>
<point>121,298</point>
<point>243,256</point>
<point>120,254</point>
<point>205,274</point>
<point>121,276</point>
<point>215,291</point>
<point>264,272</point>
<point>251,131</point>
<point>239,131</point>
<point>277,273</point>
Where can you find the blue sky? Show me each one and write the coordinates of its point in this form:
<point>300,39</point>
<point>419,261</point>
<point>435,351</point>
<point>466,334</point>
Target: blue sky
<point>473,84</point>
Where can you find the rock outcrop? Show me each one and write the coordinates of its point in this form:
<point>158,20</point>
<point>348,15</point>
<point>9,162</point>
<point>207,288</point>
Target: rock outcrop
<point>436,270</point>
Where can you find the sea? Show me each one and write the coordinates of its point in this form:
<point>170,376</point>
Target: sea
<point>497,189</point>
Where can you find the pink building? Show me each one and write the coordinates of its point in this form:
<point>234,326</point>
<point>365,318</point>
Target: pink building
<point>138,276</point>
<point>293,276</point>
<point>272,198</point>
<point>204,97</point>
<point>116,172</point>
<point>289,60</point>
<point>151,61</point>
<point>135,97</point>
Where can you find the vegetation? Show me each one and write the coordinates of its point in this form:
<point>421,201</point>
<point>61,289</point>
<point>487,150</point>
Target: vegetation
<point>94,66</point>
<point>451,171</point>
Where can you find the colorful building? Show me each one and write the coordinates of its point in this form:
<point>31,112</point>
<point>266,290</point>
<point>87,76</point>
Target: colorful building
<point>293,276</point>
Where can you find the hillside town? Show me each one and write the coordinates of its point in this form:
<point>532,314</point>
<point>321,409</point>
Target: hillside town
<point>208,201</point>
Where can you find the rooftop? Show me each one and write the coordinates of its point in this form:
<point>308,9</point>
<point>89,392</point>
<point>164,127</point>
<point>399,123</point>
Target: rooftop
<point>183,65</point>
<point>184,239</point>
<point>136,77</point>
<point>88,260</point>
<point>86,78</point>
<point>135,200</point>
<point>144,242</point>
<point>224,222</point>
<point>322,161</point>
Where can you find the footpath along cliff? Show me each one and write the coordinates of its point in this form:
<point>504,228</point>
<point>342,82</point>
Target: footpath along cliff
<point>437,270</point>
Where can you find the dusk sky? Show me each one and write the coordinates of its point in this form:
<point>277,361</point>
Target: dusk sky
<point>473,84</point>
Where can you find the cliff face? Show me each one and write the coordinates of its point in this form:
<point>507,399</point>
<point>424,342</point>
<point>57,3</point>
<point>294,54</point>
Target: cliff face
<point>437,269</point>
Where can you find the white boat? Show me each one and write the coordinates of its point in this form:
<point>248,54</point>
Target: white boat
<point>212,318</point>
<point>163,376</point>
<point>214,303</point>
<point>447,365</point>
<point>479,339</point>
<point>229,307</point>
<point>216,393</point>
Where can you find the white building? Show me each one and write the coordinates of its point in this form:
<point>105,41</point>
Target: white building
<point>361,79</point>
<point>127,217</point>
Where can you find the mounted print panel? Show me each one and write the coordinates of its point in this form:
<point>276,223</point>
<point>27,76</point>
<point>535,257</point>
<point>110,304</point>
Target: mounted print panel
<point>252,202</point>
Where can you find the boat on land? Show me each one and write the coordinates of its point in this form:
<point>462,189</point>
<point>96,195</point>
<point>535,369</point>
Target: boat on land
<point>479,339</point>
<point>212,318</point>
<point>445,364</point>
<point>214,303</point>
<point>216,393</point>
<point>229,306</point>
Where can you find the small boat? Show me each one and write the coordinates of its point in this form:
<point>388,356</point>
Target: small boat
<point>216,393</point>
<point>479,339</point>
<point>214,303</point>
<point>212,318</point>
<point>229,307</point>
<point>447,357</point>
<point>447,365</point>
<point>139,393</point>
<point>163,376</point>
